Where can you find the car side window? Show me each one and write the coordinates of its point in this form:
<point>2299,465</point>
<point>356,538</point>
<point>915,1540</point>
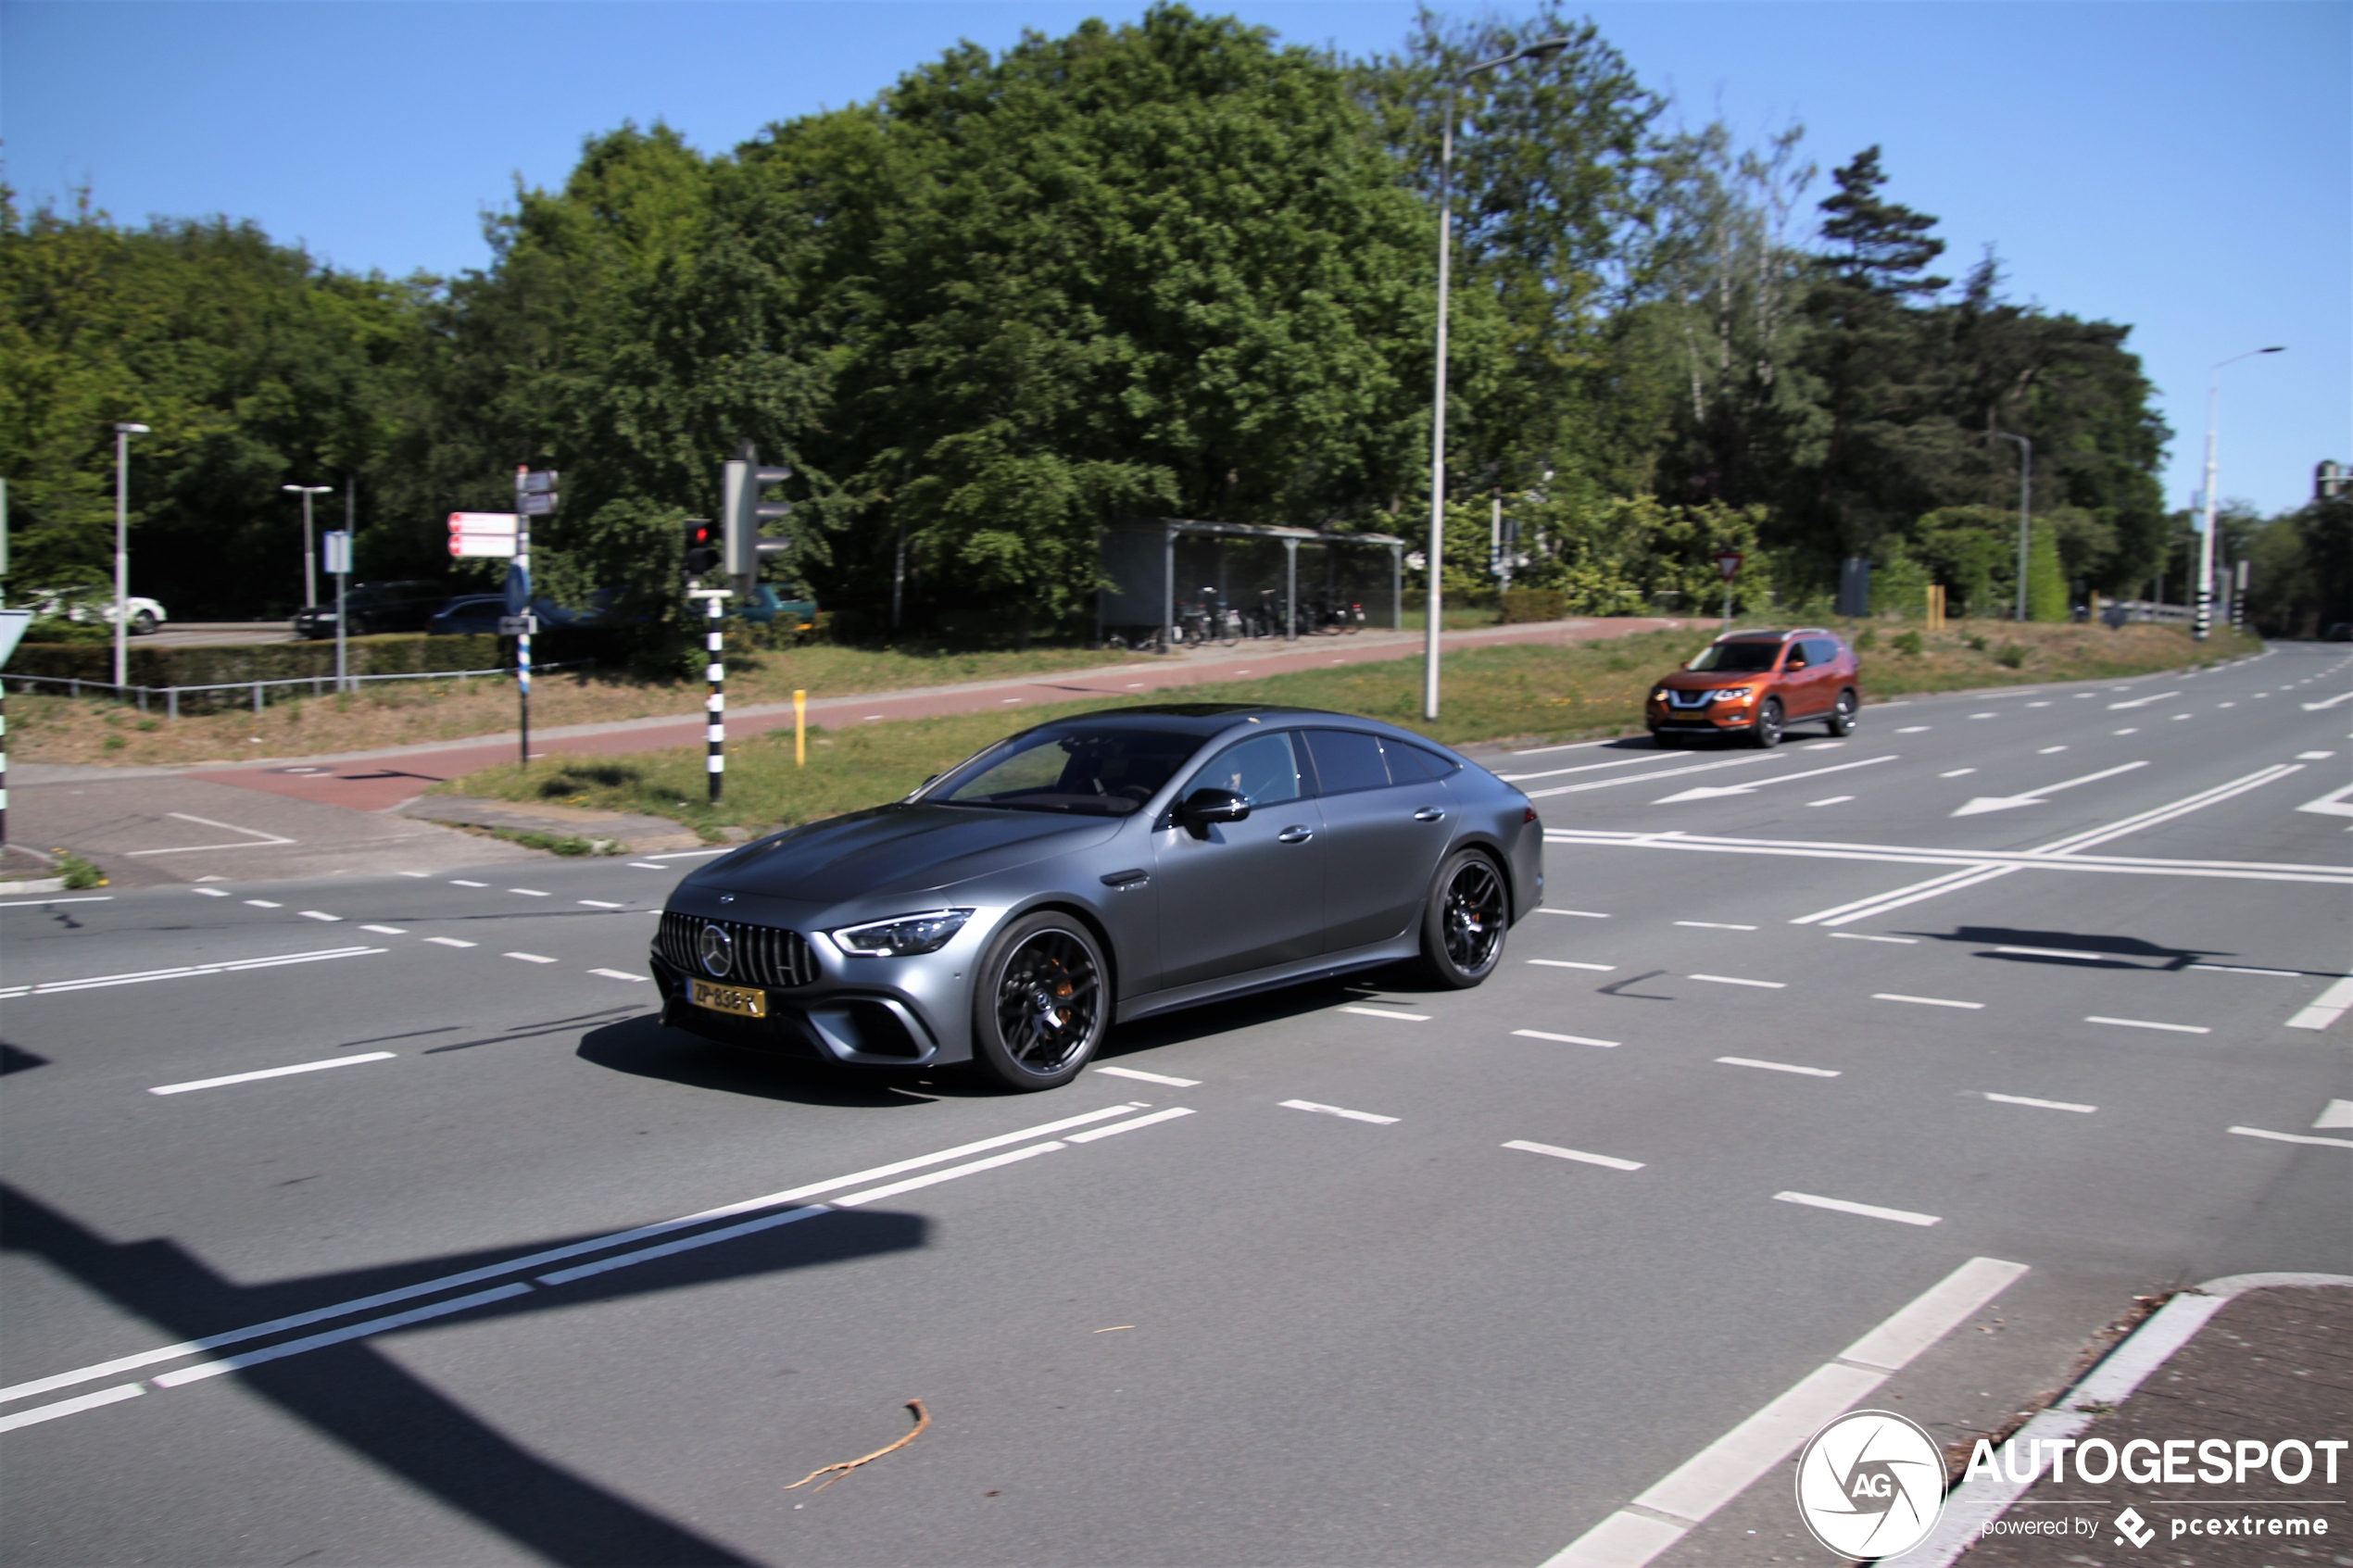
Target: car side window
<point>1263,767</point>
<point>1346,760</point>
<point>1821,650</point>
<point>1411,764</point>
<point>1798,659</point>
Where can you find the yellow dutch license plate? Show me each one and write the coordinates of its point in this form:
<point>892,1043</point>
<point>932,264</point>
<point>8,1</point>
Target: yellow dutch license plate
<point>737,999</point>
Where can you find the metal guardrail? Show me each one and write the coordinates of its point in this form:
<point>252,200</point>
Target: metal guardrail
<point>320,686</point>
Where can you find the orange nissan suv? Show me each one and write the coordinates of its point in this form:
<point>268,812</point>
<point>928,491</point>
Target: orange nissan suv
<point>1754,684</point>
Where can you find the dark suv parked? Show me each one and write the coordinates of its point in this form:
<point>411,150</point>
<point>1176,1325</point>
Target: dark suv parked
<point>375,607</point>
<point>1754,683</point>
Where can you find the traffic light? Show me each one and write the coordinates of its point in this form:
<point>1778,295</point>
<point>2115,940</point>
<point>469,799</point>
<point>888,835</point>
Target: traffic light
<point>741,483</point>
<point>702,545</point>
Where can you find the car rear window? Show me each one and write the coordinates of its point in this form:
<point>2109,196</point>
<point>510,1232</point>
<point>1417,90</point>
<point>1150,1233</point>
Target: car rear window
<point>1411,764</point>
<point>1738,658</point>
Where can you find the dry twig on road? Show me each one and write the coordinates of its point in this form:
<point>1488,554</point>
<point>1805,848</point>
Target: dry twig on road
<point>922,1419</point>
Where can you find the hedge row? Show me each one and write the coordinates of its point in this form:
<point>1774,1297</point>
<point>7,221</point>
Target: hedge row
<point>393,654</point>
<point>1532,604</point>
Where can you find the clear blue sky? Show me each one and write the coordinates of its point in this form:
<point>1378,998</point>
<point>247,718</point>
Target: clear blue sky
<point>2184,167</point>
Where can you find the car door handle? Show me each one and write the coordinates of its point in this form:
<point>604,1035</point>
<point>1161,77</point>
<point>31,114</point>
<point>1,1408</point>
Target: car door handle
<point>1428,814</point>
<point>1294,835</point>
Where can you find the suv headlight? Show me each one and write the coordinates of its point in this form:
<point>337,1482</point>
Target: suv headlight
<point>901,936</point>
<point>1731,694</point>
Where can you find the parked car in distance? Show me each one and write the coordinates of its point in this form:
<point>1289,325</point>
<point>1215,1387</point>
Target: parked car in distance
<point>1754,684</point>
<point>480,614</point>
<point>764,608</point>
<point>1095,870</point>
<point>375,607</point>
<point>87,606</point>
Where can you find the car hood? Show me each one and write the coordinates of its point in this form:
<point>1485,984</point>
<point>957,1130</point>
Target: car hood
<point>1711,680</point>
<point>899,848</point>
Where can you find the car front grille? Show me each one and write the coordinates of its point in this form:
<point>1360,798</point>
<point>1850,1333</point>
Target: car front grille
<point>1689,700</point>
<point>763,955</point>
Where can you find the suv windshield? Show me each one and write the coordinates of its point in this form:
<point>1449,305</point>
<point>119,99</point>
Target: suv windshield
<point>1739,658</point>
<point>1101,772</point>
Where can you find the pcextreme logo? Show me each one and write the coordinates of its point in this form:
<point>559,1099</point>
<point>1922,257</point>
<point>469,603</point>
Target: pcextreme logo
<point>1870,1485</point>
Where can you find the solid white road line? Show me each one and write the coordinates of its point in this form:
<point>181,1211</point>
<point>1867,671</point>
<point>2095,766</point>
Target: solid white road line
<point>1984,803</point>
<point>1336,1111</point>
<point>1091,1133</point>
<point>2291,1137</point>
<point>44,903</point>
<point>336,1336</point>
<point>1778,1066</point>
<point>1611,1162</point>
<point>619,975</point>
<point>1716,792</point>
<point>1733,980</point>
<point>1583,768</point>
<point>2053,953</point>
<point>1143,1076</point>
<point>1386,1012</point>
<point>230,966</point>
<point>2144,1023</point>
<point>74,1405</point>
<point>1867,1211</point>
<point>2326,1007</point>
<point>1565,1039</point>
<point>256,839</point>
<point>2237,969</point>
<point>517,1265</point>
<point>1714,925</point>
<point>2037,1104</point>
<point>1734,1462</point>
<point>2327,702</point>
<point>1923,1001</point>
<point>271,1072</point>
<point>1565,963</point>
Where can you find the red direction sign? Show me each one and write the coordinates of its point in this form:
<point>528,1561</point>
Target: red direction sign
<point>481,533</point>
<point>1729,564</point>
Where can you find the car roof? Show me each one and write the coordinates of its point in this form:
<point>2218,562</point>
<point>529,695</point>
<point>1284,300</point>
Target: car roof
<point>1207,718</point>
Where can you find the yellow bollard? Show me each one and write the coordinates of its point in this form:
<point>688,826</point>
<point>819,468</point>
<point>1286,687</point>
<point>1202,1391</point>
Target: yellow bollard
<point>801,729</point>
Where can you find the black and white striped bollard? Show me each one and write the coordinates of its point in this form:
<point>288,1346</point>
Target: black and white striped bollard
<point>716,734</point>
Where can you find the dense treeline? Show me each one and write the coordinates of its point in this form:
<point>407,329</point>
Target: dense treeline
<point>1166,269</point>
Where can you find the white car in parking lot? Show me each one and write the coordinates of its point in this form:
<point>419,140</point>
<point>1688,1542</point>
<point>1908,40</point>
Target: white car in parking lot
<point>146,614</point>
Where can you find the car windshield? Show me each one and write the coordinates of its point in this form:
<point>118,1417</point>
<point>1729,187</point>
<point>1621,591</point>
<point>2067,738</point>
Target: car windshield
<point>1741,658</point>
<point>1106,773</point>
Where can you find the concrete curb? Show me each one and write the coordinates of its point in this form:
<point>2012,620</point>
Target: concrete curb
<point>43,884</point>
<point>1971,1506</point>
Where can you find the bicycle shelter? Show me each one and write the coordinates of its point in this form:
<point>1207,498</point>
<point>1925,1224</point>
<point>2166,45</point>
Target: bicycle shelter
<point>1160,567</point>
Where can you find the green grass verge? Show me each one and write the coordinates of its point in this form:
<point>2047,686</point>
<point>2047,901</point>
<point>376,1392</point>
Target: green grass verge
<point>1527,693</point>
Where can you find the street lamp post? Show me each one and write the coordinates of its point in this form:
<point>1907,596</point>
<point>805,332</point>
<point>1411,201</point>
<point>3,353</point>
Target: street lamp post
<point>1437,417</point>
<point>310,564</point>
<point>2206,539</point>
<point>2025,496</point>
<point>123,434</point>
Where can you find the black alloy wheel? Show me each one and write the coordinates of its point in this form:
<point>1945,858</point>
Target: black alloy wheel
<point>1768,732</point>
<point>1039,1011</point>
<point>1464,925</point>
<point>1842,715</point>
<point>143,622</point>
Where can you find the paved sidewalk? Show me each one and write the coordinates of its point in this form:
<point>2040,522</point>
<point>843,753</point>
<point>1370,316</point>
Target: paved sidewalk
<point>383,779</point>
<point>2249,1361</point>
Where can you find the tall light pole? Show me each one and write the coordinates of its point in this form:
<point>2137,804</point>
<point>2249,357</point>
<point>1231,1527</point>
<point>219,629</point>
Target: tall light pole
<point>2206,539</point>
<point>2025,496</point>
<point>123,434</point>
<point>309,561</point>
<point>1437,417</point>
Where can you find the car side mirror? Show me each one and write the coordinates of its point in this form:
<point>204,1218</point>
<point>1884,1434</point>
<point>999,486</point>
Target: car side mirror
<point>1207,806</point>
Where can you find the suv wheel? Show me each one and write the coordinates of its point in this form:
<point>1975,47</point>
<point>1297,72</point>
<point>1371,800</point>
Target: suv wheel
<point>1768,732</point>
<point>1842,715</point>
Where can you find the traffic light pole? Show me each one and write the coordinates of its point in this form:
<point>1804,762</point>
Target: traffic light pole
<point>715,706</point>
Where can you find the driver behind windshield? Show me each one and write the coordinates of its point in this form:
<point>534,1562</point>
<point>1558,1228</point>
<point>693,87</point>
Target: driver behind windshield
<point>1105,772</point>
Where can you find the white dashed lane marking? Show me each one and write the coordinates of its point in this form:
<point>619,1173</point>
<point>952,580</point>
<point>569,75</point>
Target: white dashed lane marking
<point>2037,1104</point>
<point>1143,1076</point>
<point>1387,1012</point>
<point>1715,925</point>
<point>1337,1110</point>
<point>600,904</point>
<point>618,975</point>
<point>1565,963</point>
<point>1860,936</point>
<point>1923,1001</point>
<point>1611,1162</point>
<point>1734,979</point>
<point>1779,1067</point>
<point>386,930</point>
<point>449,942</point>
<point>1868,1211</point>
<point>529,958</point>
<point>528,892</point>
<point>218,893</point>
<point>456,881</point>
<point>264,904</point>
<point>1580,914</point>
<point>319,914</point>
<point>1565,1039</point>
<point>2144,1023</point>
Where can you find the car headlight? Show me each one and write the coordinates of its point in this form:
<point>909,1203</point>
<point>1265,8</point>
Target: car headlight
<point>1731,694</point>
<point>1658,694</point>
<point>902,935</point>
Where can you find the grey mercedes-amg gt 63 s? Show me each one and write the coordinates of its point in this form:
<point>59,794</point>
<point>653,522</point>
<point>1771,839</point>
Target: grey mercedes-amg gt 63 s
<point>1096,870</point>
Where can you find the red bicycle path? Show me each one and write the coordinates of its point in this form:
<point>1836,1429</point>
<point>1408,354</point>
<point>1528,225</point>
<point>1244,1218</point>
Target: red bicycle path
<point>382,779</point>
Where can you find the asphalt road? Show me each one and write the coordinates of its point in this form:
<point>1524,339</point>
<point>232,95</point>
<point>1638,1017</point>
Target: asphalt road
<point>1810,1076</point>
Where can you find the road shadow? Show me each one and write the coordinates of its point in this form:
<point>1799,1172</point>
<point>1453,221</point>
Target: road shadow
<point>16,1058</point>
<point>2072,949</point>
<point>642,1048</point>
<point>366,1403</point>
